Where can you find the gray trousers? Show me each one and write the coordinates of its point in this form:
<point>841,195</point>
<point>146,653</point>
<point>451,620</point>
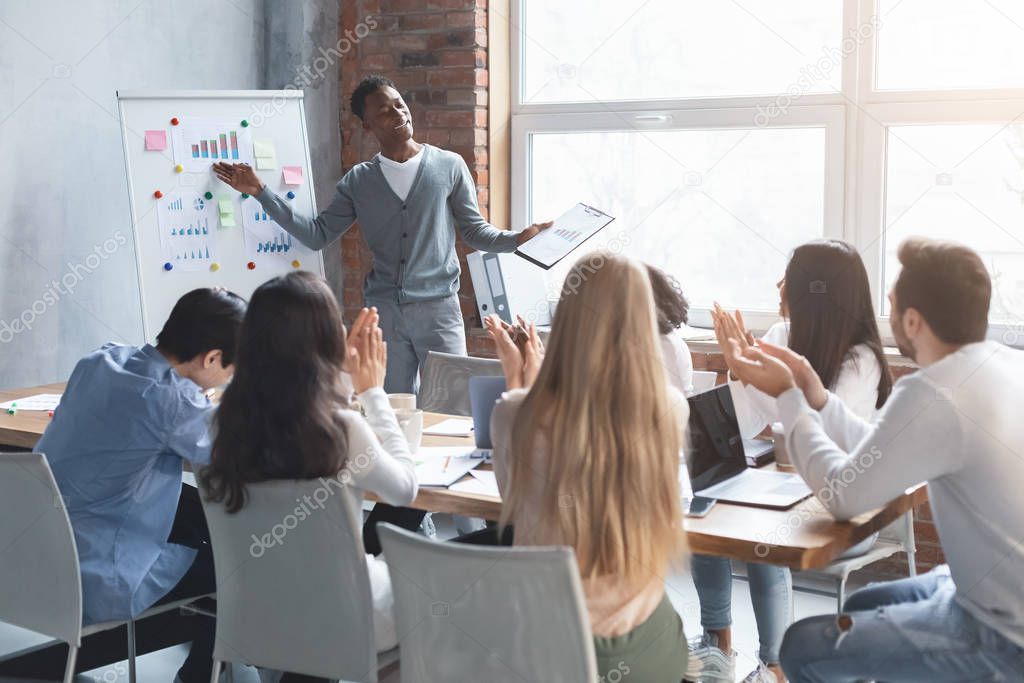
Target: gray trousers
<point>411,330</point>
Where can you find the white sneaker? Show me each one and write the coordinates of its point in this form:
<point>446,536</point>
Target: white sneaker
<point>760,675</point>
<point>709,662</point>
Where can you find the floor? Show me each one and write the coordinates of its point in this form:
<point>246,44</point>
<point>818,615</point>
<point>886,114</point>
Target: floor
<point>160,667</point>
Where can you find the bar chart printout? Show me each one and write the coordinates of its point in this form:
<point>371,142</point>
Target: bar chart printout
<point>200,142</point>
<point>188,231</point>
<point>266,240</point>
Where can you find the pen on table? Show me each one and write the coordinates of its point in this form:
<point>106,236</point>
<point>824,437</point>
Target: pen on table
<point>446,462</point>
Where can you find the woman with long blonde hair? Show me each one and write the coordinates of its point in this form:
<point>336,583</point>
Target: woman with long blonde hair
<point>586,452</point>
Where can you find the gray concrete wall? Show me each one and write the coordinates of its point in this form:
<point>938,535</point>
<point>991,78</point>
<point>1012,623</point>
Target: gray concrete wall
<point>67,269</point>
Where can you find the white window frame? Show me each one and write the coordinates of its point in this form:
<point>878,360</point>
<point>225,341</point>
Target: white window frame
<point>855,121</point>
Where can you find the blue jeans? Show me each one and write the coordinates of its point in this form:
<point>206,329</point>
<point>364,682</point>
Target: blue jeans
<point>411,330</point>
<point>907,630</point>
<point>771,592</point>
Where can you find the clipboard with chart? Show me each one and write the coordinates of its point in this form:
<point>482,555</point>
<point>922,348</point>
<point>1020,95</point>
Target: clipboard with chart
<point>570,230</point>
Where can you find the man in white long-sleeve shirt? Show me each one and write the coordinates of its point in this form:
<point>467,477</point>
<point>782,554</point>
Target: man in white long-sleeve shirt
<point>954,424</point>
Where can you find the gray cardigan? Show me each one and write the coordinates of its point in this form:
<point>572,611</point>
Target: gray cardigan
<point>413,242</point>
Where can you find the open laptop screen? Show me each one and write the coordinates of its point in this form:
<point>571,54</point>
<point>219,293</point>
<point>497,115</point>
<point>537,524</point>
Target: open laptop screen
<point>715,450</point>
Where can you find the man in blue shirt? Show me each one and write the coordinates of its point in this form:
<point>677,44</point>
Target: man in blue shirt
<point>129,418</point>
<point>410,200</point>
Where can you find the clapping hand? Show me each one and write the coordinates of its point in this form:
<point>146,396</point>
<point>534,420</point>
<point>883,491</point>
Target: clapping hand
<point>519,348</point>
<point>729,326</point>
<point>366,353</point>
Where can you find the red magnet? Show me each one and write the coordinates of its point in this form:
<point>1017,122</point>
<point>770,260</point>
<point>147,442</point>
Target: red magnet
<point>158,194</point>
<point>251,265</point>
<point>174,121</point>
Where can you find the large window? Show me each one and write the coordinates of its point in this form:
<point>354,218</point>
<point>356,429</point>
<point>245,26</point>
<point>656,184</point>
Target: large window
<point>724,133</point>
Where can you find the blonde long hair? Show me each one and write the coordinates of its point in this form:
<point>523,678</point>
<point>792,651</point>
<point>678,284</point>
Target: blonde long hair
<point>600,407</point>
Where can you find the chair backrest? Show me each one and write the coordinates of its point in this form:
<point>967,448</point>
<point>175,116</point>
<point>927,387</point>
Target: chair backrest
<point>704,380</point>
<point>293,592</point>
<point>901,531</point>
<point>40,584</point>
<point>444,381</point>
<point>475,613</point>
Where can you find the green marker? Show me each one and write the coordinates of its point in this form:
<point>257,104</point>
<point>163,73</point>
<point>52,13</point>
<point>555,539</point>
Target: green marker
<point>13,409</point>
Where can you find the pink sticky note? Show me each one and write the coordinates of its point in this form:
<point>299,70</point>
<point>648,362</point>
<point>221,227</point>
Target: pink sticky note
<point>292,175</point>
<point>156,140</point>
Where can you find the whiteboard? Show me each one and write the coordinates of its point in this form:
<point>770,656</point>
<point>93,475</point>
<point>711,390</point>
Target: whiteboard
<point>172,260</point>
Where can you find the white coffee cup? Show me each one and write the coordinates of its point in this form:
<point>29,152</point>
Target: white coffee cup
<point>782,460</point>
<point>402,401</point>
<point>411,424</point>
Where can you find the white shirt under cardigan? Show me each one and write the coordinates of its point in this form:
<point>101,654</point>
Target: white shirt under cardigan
<point>856,384</point>
<point>391,474</point>
<point>400,174</point>
<point>956,425</point>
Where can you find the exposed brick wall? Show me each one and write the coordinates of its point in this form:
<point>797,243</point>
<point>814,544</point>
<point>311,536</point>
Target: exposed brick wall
<point>436,53</point>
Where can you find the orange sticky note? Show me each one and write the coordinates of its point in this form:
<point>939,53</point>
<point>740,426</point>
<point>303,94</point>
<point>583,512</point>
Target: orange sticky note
<point>156,140</point>
<point>292,175</point>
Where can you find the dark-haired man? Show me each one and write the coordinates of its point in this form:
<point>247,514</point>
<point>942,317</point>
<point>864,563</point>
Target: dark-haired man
<point>129,418</point>
<point>954,424</point>
<point>409,200</point>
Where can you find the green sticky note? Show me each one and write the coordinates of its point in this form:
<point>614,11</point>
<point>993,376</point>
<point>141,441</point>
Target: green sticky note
<point>266,163</point>
<point>227,213</point>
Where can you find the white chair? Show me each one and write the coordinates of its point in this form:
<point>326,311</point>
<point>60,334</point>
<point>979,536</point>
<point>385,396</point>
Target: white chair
<point>704,380</point>
<point>444,381</point>
<point>496,614</point>
<point>895,538</point>
<point>40,580</point>
<point>293,592</point>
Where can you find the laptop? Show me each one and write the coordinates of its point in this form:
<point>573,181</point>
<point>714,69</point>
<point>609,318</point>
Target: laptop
<point>717,464</point>
<point>484,392</point>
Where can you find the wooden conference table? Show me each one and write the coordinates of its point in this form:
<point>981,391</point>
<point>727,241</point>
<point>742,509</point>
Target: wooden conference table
<point>802,537</point>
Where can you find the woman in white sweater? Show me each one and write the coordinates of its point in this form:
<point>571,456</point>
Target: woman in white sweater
<point>288,412</point>
<point>672,311</point>
<point>826,299</point>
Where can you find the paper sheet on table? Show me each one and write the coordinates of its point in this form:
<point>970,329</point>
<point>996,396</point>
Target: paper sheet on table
<point>156,140</point>
<point>432,472</point>
<point>453,426</point>
<point>34,402</point>
<point>483,483</point>
<point>428,452</point>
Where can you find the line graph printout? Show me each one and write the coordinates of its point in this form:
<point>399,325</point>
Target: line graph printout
<point>188,230</point>
<point>200,142</point>
<point>569,231</point>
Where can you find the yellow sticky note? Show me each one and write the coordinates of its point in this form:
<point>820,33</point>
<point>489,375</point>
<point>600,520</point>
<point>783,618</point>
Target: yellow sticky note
<point>265,153</point>
<point>263,147</point>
